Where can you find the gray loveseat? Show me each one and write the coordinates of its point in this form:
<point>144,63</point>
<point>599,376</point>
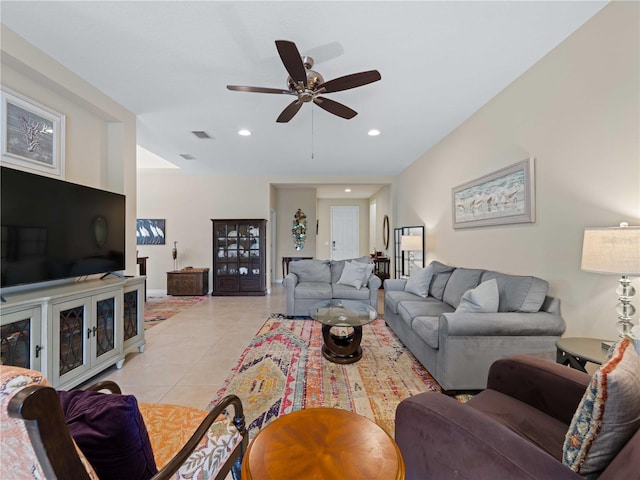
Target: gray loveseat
<point>312,281</point>
<point>458,348</point>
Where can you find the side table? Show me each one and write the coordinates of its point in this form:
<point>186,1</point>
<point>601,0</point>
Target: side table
<point>323,443</point>
<point>188,281</point>
<point>577,351</point>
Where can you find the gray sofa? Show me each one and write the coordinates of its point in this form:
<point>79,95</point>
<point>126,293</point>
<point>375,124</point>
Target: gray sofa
<point>311,281</point>
<point>458,348</point>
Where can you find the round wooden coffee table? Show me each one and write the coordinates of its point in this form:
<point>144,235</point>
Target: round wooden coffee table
<point>322,444</point>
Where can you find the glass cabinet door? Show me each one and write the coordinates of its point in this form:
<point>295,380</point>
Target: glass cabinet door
<point>130,314</point>
<point>20,342</point>
<point>71,322</point>
<point>104,330</point>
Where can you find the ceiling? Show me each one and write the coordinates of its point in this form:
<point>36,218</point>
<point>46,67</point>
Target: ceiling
<point>169,63</point>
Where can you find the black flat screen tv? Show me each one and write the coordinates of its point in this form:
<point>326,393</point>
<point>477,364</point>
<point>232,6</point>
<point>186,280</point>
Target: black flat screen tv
<point>53,230</point>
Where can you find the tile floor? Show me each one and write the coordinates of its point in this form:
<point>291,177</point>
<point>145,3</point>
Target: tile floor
<point>188,356</point>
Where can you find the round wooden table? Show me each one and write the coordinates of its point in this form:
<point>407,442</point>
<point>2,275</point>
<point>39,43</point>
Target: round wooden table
<point>322,444</point>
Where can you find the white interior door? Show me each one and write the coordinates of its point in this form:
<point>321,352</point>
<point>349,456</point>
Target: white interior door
<point>345,239</point>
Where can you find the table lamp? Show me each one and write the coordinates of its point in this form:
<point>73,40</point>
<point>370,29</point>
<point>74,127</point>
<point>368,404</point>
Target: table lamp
<point>615,250</point>
<point>411,243</point>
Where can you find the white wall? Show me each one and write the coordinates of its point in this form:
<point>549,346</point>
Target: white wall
<point>577,113</point>
<point>100,141</point>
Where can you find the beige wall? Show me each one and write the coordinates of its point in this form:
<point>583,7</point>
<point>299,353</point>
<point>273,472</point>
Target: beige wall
<point>577,113</point>
<point>100,140</point>
<point>288,201</point>
<point>188,203</point>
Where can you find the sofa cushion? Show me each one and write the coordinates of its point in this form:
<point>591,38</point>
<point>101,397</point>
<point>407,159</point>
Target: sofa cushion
<point>419,281</point>
<point>430,308</point>
<point>441,275</point>
<point>482,299</point>
<point>529,422</point>
<point>462,279</point>
<point>355,274</point>
<point>338,265</point>
<point>608,414</point>
<point>350,293</point>
<point>311,270</point>
<point>518,293</point>
<point>392,298</point>
<point>427,328</point>
<point>110,431</point>
<point>311,290</point>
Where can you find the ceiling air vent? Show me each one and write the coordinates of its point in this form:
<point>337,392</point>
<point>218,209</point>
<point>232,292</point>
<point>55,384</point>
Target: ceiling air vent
<point>201,134</point>
<point>187,156</point>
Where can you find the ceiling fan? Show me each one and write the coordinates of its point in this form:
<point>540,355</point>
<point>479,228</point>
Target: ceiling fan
<point>308,85</point>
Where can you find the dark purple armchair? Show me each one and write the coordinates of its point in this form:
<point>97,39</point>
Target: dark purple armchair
<point>515,429</point>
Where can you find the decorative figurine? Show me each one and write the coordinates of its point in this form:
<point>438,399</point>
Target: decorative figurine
<point>174,255</point>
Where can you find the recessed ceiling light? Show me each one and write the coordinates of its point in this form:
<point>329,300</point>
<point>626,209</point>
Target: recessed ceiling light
<point>244,132</point>
<point>373,132</point>
<point>348,190</point>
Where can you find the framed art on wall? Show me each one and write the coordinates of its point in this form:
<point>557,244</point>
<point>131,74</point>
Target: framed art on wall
<point>150,231</point>
<point>502,197</point>
<point>32,135</point>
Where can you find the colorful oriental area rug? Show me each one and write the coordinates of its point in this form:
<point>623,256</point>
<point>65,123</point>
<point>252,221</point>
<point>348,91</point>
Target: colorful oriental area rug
<point>157,309</point>
<point>283,370</point>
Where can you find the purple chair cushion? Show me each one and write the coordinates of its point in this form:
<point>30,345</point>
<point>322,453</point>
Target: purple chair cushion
<point>111,433</point>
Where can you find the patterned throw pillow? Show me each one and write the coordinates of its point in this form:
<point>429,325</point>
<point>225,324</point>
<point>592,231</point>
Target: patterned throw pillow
<point>608,414</point>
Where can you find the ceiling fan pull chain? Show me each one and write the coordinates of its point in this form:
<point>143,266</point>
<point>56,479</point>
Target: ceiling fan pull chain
<point>312,133</point>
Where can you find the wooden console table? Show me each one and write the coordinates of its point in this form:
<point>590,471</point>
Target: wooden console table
<point>188,281</point>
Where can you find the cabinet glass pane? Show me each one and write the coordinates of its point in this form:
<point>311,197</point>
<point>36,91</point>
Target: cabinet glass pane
<point>130,314</point>
<point>71,339</point>
<point>15,341</point>
<point>105,323</point>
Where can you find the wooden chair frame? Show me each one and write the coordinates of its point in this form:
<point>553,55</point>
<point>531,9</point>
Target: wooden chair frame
<point>42,413</point>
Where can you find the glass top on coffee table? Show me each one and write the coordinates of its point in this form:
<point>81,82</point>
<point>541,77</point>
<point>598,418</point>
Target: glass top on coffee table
<point>342,343</point>
<point>343,313</point>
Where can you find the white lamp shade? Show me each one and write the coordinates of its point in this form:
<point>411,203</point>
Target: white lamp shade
<point>613,250</point>
<point>411,243</point>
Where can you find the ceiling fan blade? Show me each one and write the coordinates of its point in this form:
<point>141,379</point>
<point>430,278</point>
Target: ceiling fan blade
<point>289,112</point>
<point>243,88</point>
<point>335,107</point>
<point>292,61</point>
<point>349,81</point>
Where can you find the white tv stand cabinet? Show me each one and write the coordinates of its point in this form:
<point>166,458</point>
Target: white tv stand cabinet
<point>74,331</point>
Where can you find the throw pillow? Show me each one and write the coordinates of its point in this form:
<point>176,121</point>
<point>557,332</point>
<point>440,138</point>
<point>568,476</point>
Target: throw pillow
<point>110,432</point>
<point>485,298</point>
<point>419,281</point>
<point>608,414</point>
<point>355,274</point>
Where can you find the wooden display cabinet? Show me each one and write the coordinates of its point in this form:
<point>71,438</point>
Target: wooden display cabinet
<point>239,257</point>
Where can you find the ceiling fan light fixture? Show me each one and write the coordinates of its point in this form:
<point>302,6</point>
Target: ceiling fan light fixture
<point>373,132</point>
<point>244,132</point>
